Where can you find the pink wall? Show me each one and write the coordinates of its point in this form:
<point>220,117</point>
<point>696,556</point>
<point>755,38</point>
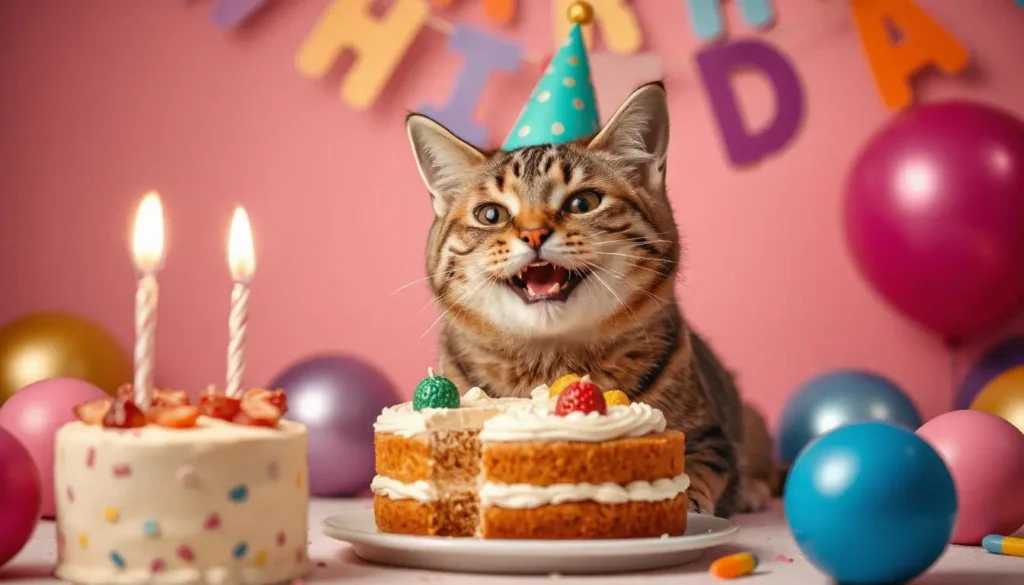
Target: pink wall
<point>104,100</point>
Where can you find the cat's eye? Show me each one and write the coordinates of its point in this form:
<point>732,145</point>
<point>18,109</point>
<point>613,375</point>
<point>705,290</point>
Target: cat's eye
<point>491,214</point>
<point>582,202</point>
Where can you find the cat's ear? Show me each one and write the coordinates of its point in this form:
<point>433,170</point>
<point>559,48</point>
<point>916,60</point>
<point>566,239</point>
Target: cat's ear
<point>637,136</point>
<point>443,158</point>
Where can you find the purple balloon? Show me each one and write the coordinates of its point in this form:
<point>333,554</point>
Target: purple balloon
<point>338,398</point>
<point>33,415</point>
<point>1006,355</point>
<point>21,496</point>
<point>935,215</point>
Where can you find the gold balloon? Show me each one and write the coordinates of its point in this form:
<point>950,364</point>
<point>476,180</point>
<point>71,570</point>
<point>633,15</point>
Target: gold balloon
<point>581,12</point>
<point>1004,396</point>
<point>50,345</point>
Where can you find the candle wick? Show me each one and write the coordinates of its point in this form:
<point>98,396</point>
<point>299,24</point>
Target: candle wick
<point>430,372</point>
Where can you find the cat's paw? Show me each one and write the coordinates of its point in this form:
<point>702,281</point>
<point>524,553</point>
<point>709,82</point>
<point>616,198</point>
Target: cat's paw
<point>699,504</point>
<point>755,495</point>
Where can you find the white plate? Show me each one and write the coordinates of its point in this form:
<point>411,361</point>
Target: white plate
<point>475,555</point>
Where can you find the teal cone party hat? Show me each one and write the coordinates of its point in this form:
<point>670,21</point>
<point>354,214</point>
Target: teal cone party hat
<point>562,107</point>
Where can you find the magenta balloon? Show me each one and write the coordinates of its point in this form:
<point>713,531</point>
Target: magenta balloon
<point>33,415</point>
<point>20,496</point>
<point>934,215</point>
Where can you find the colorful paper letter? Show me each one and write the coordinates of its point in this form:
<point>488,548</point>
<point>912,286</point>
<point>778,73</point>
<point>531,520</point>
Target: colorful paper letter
<point>500,11</point>
<point>379,44</point>
<point>717,64</point>
<point>619,27</point>
<point>231,13</point>
<point>922,42</point>
<point>617,76</point>
<point>483,55</point>
<point>706,16</point>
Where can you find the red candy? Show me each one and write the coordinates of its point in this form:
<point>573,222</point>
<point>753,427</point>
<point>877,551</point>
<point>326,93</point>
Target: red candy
<point>217,405</point>
<point>93,412</point>
<point>259,408</point>
<point>172,409</point>
<point>276,398</point>
<point>581,396</point>
<point>124,414</point>
<point>174,417</point>
<point>165,398</point>
<point>126,391</point>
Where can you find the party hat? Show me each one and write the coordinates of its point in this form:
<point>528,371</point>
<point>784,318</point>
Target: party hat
<point>562,108</point>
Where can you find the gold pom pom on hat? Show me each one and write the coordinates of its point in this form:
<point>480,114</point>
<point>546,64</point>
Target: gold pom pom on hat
<point>581,13</point>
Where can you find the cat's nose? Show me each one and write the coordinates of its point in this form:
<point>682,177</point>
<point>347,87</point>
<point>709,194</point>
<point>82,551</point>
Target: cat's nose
<point>534,237</point>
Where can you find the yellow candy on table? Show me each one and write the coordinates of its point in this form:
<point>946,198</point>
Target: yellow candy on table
<point>561,384</point>
<point>616,398</point>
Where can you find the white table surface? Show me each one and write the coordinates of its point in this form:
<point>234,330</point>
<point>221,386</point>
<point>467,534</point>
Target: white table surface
<point>764,534</point>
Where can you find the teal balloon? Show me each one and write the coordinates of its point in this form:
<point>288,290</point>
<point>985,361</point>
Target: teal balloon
<point>839,398</point>
<point>871,503</point>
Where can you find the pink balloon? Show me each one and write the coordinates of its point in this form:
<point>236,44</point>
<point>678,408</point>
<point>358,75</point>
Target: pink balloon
<point>20,496</point>
<point>33,416</point>
<point>985,455</point>
<point>934,213</point>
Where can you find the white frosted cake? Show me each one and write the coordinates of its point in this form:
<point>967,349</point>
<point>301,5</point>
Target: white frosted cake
<point>572,464</point>
<point>194,499</point>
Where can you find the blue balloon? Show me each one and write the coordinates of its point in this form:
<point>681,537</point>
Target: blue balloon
<point>871,503</point>
<point>837,399</point>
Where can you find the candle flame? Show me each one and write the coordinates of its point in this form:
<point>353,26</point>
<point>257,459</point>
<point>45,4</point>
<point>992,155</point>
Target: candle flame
<point>148,239</point>
<point>241,257</point>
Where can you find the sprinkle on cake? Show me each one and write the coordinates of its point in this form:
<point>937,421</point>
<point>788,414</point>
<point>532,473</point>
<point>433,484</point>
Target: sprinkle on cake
<point>181,493</point>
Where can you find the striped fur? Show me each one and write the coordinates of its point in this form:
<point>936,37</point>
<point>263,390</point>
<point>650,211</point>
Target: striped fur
<point>621,324</point>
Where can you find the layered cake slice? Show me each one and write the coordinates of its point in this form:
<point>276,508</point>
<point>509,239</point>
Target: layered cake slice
<point>428,461</point>
<point>578,463</point>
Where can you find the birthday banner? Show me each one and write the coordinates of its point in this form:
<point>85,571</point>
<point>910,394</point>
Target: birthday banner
<point>899,39</point>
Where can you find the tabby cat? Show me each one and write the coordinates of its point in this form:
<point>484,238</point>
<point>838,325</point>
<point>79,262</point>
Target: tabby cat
<point>564,258</point>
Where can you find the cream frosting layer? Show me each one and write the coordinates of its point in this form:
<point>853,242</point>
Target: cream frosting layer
<point>522,419</point>
<point>475,408</point>
<point>421,491</point>
<point>525,496</point>
<point>219,504</point>
<point>538,422</point>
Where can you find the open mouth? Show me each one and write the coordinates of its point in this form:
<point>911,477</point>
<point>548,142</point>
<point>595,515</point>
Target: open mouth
<point>543,281</point>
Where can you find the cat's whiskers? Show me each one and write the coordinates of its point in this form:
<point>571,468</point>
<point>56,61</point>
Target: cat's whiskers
<point>623,303</point>
<point>636,265</point>
<point>463,299</point>
<point>465,304</point>
<point>435,300</point>
<point>657,300</point>
<point>633,256</point>
<point>637,241</point>
<point>428,277</point>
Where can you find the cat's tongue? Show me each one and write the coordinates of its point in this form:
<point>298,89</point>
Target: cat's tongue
<point>544,278</point>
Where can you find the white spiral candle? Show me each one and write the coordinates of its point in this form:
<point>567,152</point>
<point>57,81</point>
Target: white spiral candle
<point>242,263</point>
<point>145,339</point>
<point>148,255</point>
<point>237,324</point>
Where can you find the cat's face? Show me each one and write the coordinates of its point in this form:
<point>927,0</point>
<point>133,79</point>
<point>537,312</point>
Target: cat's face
<point>549,241</point>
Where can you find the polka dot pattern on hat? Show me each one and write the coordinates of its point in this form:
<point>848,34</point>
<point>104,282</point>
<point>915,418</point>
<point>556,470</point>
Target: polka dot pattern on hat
<point>563,107</point>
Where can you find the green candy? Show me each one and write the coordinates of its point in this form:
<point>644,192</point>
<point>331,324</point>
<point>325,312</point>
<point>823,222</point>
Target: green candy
<point>435,392</point>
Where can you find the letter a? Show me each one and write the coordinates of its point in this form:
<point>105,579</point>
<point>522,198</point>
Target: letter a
<point>922,42</point>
